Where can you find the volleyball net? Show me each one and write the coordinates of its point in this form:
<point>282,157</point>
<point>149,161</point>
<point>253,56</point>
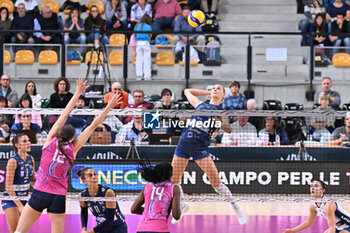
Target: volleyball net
<point>264,156</point>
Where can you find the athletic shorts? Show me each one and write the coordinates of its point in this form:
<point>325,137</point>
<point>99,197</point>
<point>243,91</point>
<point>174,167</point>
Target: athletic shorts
<point>194,150</point>
<point>9,204</point>
<point>55,204</point>
<point>346,229</point>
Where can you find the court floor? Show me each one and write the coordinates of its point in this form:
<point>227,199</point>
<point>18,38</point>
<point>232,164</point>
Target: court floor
<point>205,217</point>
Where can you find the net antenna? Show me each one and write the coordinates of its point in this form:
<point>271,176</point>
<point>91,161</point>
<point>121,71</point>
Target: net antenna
<point>102,65</point>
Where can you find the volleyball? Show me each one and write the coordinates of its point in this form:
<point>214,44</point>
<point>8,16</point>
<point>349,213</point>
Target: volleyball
<point>196,18</point>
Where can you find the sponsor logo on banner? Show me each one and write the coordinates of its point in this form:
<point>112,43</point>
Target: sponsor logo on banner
<point>118,177</point>
<point>2,176</point>
<point>151,120</point>
<point>109,155</point>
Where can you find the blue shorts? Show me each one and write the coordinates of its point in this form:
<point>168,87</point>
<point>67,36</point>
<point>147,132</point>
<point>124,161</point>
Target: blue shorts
<point>346,229</point>
<point>55,204</point>
<point>194,150</point>
<point>9,204</point>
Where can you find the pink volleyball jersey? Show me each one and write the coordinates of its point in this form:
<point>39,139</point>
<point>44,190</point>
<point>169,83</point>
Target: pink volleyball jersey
<point>52,175</point>
<point>158,199</point>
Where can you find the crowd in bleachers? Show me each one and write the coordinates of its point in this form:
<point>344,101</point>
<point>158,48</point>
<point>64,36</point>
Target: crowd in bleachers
<point>246,131</point>
<point>97,21</point>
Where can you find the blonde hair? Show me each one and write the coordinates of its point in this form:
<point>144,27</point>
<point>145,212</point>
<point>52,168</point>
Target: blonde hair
<point>324,95</point>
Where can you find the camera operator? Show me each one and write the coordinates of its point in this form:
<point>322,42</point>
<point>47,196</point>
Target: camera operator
<point>95,22</point>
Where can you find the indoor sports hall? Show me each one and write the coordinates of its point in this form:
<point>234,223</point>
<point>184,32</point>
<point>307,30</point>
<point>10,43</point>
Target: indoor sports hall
<point>179,116</point>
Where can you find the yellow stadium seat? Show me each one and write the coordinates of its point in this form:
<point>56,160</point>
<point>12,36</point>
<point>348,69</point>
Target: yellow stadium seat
<point>48,57</point>
<point>99,4</point>
<point>193,63</point>
<point>117,39</point>
<point>24,57</point>
<point>52,4</point>
<point>8,4</point>
<point>134,59</point>
<point>341,60</point>
<point>7,57</point>
<point>74,62</point>
<point>165,59</point>
<point>170,38</point>
<point>67,11</point>
<point>116,58</point>
<point>94,57</point>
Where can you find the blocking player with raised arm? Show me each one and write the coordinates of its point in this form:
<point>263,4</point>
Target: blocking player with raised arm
<point>108,215</point>
<point>159,197</point>
<point>58,154</point>
<point>337,218</point>
<point>19,175</point>
<point>194,142</point>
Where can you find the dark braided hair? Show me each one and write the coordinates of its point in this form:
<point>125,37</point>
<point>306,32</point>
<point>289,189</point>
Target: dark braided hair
<point>66,133</point>
<point>156,174</point>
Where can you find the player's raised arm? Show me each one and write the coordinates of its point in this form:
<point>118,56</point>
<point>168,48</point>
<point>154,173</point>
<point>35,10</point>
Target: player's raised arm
<point>81,87</point>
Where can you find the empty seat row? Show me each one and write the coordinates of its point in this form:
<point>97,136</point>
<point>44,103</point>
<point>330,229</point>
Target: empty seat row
<point>26,57</point>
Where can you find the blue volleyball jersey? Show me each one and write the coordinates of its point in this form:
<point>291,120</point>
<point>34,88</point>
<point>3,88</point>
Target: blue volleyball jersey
<point>98,208</point>
<point>192,133</point>
<point>23,175</point>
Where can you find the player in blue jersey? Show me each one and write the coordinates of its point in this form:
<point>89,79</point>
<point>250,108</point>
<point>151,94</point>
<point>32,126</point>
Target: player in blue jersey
<point>337,218</point>
<point>108,215</point>
<point>195,140</point>
<point>19,175</point>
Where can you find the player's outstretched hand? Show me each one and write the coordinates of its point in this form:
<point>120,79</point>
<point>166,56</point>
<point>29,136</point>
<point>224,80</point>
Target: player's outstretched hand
<point>116,99</point>
<point>81,85</point>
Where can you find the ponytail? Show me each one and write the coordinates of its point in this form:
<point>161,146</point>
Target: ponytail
<point>60,146</point>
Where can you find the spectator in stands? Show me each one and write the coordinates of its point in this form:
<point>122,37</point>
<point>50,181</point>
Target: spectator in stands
<point>5,24</point>
<point>30,5</point>
<point>234,100</point>
<point>79,122</point>
<point>338,27</point>
<point>181,25</point>
<point>115,15</point>
<point>143,48</point>
<point>30,89</point>
<point>326,86</point>
<point>275,134</point>
<point>5,132</point>
<point>62,96</point>
<point>138,10</point>
<point>322,127</point>
<point>6,91</point>
<point>337,7</point>
<point>26,102</point>
<point>213,7</point>
<point>139,103</point>
<point>22,21</point>
<point>94,22</point>
<point>255,120</point>
<point>48,21</point>
<point>26,124</point>
<point>311,9</point>
<point>5,118</point>
<point>341,134</point>
<point>132,131</point>
<point>166,100</point>
<point>165,13</point>
<point>243,133</point>
<point>75,24</point>
<point>319,27</point>
<point>116,89</point>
